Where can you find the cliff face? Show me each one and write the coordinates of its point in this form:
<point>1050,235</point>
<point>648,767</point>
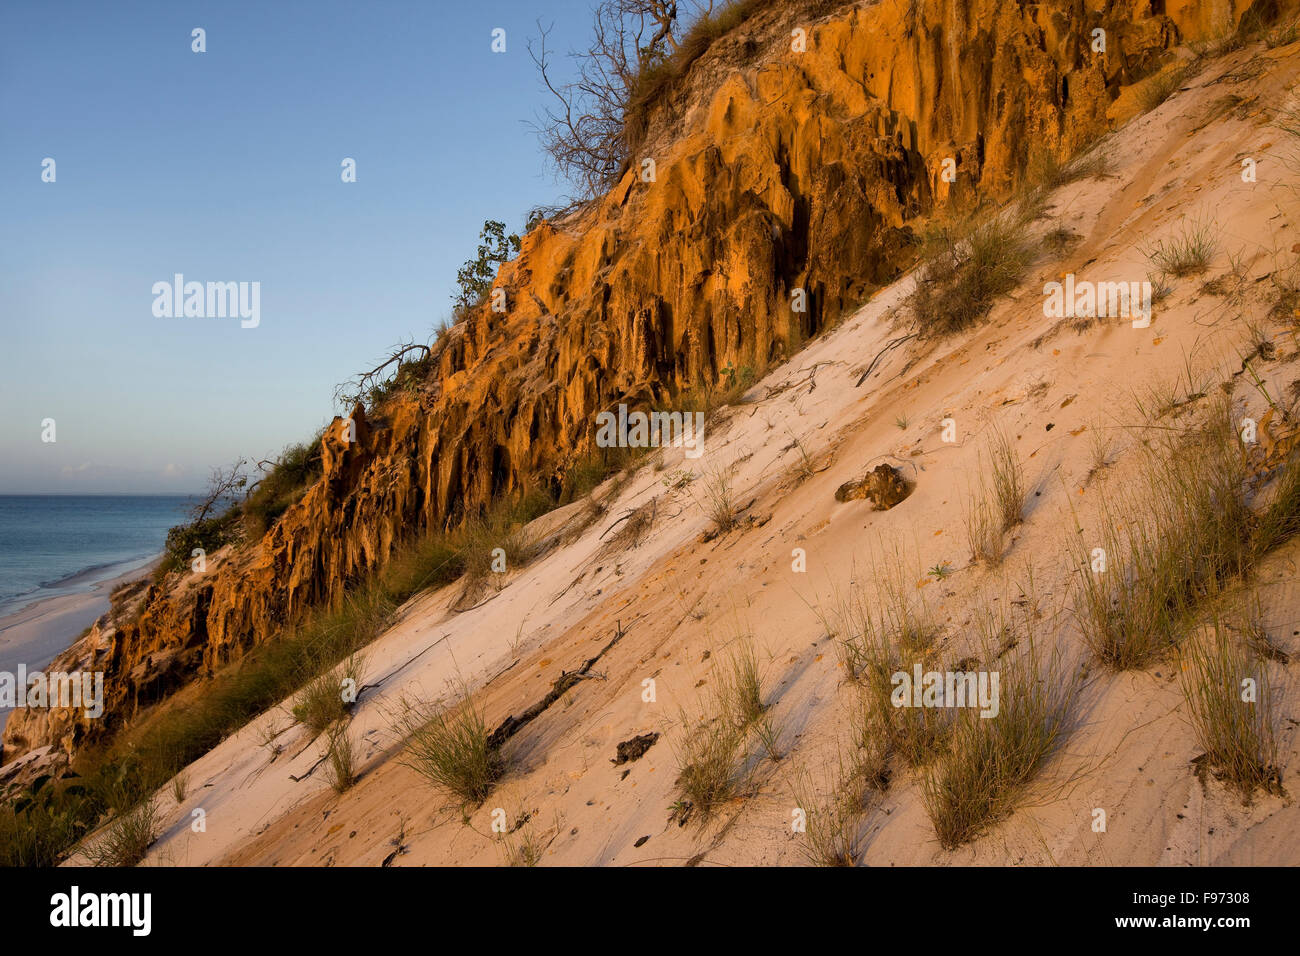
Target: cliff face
<point>774,171</point>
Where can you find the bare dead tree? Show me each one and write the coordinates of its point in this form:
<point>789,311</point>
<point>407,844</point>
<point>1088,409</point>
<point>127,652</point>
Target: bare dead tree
<point>361,386</point>
<point>222,485</point>
<point>584,130</point>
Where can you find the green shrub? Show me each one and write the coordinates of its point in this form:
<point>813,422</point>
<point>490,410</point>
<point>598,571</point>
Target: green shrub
<point>208,534</point>
<point>474,280</point>
<point>294,471</point>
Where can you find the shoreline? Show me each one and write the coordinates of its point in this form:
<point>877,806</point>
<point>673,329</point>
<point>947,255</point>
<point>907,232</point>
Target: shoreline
<point>38,632</point>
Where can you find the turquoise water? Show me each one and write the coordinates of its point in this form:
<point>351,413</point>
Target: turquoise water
<point>62,544</point>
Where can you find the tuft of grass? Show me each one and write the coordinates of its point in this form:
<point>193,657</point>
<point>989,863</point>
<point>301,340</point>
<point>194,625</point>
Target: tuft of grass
<point>970,264</point>
<point>1161,87</point>
<point>716,498</point>
<point>804,468</point>
<point>452,749</point>
<point>485,545</point>
<point>998,505</point>
<point>1286,291</point>
<point>988,540</point>
<point>989,761</point>
<point>741,687</point>
<point>1100,446</point>
<point>1225,684</point>
<point>527,851</point>
<point>341,758</point>
<point>1283,35</point>
<point>1188,532</point>
<point>1190,252</point>
<point>1279,519</point>
<point>916,734</point>
<point>1161,288</point>
<point>875,743</point>
<point>1045,171</point>
<point>768,732</point>
<point>1059,239</point>
<point>709,395</point>
<point>711,758</point>
<point>180,786</point>
<point>899,615</point>
<point>321,703</point>
<point>832,835</point>
<point>128,838</point>
<point>1008,482</point>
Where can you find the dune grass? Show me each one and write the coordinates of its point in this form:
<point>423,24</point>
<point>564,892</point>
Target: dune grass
<point>712,755</point>
<point>1225,684</point>
<point>880,641</point>
<point>321,702</point>
<point>715,495</point>
<point>833,827</point>
<point>1046,171</point>
<point>1007,479</point>
<point>711,763</point>
<point>340,758</point>
<point>452,749</point>
<point>127,839</point>
<point>741,686</point>
<point>1185,534</point>
<point>526,851</point>
<point>1188,252</point>
<point>742,695</point>
<point>989,761</point>
<point>895,613</point>
<point>1159,88</point>
<point>917,735</point>
<point>998,505</point>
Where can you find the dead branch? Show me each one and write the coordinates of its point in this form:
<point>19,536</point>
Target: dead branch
<point>222,485</point>
<point>355,389</point>
<point>881,354</point>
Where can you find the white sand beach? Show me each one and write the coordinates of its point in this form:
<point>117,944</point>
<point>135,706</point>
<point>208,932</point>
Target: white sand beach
<point>34,635</point>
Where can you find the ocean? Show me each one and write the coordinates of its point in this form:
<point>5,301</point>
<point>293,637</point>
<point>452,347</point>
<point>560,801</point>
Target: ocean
<point>51,545</point>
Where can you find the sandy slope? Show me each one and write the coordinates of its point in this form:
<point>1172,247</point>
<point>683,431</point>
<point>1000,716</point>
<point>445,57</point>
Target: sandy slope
<point>679,600</point>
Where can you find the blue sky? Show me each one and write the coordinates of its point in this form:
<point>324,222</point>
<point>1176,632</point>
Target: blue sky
<point>225,166</point>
